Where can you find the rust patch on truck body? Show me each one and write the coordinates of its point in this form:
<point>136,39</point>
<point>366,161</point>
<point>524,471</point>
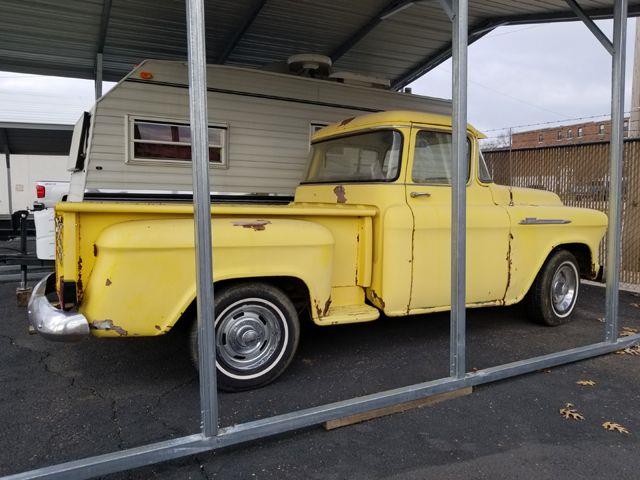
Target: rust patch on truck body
<point>327,305</point>
<point>79,282</point>
<point>377,301</point>
<point>257,225</point>
<point>340,194</point>
<point>324,310</point>
<point>509,267</point>
<point>108,325</point>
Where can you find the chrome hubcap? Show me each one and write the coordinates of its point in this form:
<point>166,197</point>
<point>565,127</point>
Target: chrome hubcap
<point>247,336</point>
<point>564,287</point>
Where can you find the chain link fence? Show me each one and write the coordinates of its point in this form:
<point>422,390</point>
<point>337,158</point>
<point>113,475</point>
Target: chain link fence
<point>579,174</point>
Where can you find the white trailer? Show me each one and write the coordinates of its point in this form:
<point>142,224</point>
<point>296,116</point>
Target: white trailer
<point>136,139</point>
<point>32,152</point>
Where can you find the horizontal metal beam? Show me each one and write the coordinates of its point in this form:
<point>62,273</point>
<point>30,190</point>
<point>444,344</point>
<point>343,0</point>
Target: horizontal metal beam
<point>193,444</point>
<point>25,259</point>
<point>591,25</point>
<point>232,43</point>
<point>440,56</point>
<point>35,126</point>
<point>566,16</point>
<point>447,6</point>
<point>104,25</point>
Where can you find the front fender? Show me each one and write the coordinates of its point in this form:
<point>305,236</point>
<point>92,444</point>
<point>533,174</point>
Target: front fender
<point>144,273</point>
<point>532,243</point>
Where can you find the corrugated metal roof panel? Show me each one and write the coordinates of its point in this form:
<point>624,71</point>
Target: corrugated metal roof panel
<point>62,37</point>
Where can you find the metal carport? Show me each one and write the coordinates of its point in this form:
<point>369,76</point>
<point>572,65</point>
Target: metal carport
<point>394,39</point>
<point>32,139</point>
<point>399,40</point>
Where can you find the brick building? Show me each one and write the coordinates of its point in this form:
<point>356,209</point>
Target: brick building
<point>588,132</point>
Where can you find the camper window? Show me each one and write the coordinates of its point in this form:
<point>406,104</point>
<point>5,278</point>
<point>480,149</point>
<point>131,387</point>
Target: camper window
<point>170,142</point>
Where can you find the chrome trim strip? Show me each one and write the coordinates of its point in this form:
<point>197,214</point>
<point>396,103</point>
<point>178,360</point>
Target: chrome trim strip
<point>544,221</point>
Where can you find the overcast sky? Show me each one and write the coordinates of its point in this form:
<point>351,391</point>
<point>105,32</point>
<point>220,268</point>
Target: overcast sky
<point>537,73</point>
<point>518,75</point>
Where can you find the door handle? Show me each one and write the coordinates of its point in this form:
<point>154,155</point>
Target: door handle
<point>419,194</point>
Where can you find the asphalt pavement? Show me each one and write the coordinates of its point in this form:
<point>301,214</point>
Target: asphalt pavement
<point>65,401</point>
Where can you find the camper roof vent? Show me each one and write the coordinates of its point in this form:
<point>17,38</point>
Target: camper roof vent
<point>309,64</point>
<point>350,78</point>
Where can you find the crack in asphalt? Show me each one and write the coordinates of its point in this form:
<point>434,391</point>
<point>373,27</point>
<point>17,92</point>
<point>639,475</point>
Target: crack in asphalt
<point>203,471</point>
<point>44,359</point>
<point>116,422</point>
<point>173,389</point>
<point>153,411</point>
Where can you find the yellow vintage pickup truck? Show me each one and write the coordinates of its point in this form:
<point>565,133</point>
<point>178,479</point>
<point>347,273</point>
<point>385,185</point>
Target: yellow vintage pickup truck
<point>368,233</point>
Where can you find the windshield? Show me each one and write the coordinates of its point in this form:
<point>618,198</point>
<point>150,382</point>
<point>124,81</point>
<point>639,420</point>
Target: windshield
<point>364,157</point>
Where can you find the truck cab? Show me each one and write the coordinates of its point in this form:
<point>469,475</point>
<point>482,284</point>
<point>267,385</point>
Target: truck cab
<point>368,233</point>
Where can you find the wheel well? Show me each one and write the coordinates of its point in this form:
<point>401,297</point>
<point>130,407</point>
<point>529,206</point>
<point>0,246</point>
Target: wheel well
<point>293,287</point>
<point>583,255</point>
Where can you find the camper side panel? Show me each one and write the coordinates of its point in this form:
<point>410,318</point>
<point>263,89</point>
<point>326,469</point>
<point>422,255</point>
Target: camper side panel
<point>267,138</point>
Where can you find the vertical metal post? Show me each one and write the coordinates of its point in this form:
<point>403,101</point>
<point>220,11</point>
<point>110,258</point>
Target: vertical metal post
<point>615,170</point>
<point>202,214</point>
<point>458,190</point>
<point>98,82</point>
<point>7,157</point>
<point>24,215</point>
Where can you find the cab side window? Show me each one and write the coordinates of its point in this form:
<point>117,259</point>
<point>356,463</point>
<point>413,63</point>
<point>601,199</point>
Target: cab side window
<point>432,158</point>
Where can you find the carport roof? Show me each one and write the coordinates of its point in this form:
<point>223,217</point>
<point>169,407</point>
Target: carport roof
<point>35,138</point>
<point>394,39</point>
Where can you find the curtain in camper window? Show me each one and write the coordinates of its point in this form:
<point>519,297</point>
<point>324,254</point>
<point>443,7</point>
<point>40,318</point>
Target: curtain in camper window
<point>154,140</point>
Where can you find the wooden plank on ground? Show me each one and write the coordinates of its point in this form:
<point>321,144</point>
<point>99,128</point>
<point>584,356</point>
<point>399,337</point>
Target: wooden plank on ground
<point>401,407</point>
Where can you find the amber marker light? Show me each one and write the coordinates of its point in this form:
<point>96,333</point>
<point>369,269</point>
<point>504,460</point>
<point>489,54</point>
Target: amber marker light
<point>146,75</point>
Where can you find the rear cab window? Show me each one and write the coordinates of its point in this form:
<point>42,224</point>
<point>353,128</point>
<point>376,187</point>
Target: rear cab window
<point>362,157</point>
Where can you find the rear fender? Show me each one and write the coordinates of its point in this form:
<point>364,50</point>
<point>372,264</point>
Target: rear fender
<point>144,274</point>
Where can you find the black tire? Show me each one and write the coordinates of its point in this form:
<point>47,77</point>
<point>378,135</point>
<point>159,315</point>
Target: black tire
<point>257,333</point>
<point>540,299</point>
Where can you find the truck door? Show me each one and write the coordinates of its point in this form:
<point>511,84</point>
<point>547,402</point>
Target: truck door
<point>428,186</point>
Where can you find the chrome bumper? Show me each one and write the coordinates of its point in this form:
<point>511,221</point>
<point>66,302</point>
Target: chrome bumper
<point>53,323</point>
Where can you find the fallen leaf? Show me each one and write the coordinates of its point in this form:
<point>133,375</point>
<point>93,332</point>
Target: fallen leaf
<point>637,305</point>
<point>615,427</point>
<point>632,350</point>
<point>628,331</point>
<point>601,319</point>
<point>570,413</point>
<point>586,383</point>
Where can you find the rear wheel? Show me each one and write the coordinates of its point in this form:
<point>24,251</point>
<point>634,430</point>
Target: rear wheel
<point>257,332</point>
<point>554,293</point>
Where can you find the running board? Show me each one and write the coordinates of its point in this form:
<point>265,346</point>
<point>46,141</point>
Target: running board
<point>340,314</point>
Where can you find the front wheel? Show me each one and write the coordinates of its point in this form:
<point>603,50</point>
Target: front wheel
<point>257,331</point>
<point>554,293</point>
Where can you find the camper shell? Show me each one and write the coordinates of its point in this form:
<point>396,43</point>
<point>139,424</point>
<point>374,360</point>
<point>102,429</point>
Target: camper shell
<point>260,124</point>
